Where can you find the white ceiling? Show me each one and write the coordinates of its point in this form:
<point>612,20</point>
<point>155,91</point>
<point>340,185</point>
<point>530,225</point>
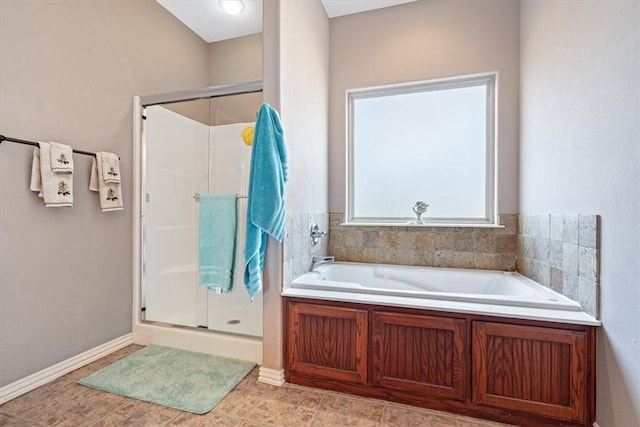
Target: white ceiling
<point>347,7</point>
<point>211,23</point>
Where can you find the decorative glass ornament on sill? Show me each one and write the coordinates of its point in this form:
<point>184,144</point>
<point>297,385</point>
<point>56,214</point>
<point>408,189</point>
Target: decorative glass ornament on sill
<point>419,208</point>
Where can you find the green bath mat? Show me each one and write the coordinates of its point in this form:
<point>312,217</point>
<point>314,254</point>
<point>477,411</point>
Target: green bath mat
<point>193,382</point>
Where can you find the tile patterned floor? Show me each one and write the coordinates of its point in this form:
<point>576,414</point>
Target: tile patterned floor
<point>63,402</point>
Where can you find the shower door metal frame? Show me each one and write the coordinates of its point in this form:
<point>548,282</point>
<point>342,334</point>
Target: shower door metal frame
<point>140,184</point>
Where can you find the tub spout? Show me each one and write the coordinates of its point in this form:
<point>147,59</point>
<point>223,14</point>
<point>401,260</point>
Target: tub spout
<point>317,261</point>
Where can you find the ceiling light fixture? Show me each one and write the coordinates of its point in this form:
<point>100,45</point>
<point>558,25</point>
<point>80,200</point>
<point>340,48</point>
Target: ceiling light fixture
<point>232,7</point>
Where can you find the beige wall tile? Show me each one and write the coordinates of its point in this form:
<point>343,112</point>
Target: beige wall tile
<point>484,261</point>
<point>424,258</point>
<point>510,223</point>
<point>555,254</point>
<point>587,231</point>
<point>417,246</point>
<point>353,238</point>
<point>530,225</point>
<point>388,256</point>
<point>425,241</point>
<point>370,239</point>
<point>444,241</point>
<point>443,259</point>
<point>405,257</point>
<point>407,240</point>
<point>556,225</point>
<point>506,262</point>
<point>529,249</point>
<point>543,226</point>
<point>556,280</point>
<point>388,239</point>
<point>506,244</point>
<point>588,295</point>
<point>570,285</point>
<point>588,263</point>
<point>542,249</point>
<point>485,241</point>
<point>463,259</point>
<point>570,258</point>
<point>463,241</point>
<point>339,253</point>
<point>371,255</point>
<point>570,229</point>
<point>543,274</point>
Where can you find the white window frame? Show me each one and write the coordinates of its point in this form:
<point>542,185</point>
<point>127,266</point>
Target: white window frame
<point>490,218</point>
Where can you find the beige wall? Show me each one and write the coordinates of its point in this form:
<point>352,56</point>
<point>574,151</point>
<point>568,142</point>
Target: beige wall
<point>272,277</point>
<point>229,61</point>
<point>423,40</point>
<point>580,151</point>
<point>304,62</point>
<point>235,60</point>
<point>68,72</point>
<point>299,32</point>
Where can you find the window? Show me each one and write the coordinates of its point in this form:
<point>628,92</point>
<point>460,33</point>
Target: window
<point>430,141</point>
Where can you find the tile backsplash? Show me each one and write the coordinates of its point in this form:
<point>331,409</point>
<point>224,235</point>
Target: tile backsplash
<point>562,252</point>
<point>298,249</point>
<point>481,248</point>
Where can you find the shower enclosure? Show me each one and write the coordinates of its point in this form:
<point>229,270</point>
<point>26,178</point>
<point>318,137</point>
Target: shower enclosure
<point>191,144</point>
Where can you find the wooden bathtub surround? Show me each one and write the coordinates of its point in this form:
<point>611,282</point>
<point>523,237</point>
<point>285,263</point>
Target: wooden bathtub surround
<point>520,372</point>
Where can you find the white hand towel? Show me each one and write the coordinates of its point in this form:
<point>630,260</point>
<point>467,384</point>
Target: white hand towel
<point>110,168</point>
<point>110,194</point>
<point>36,178</point>
<point>57,188</point>
<point>61,158</point>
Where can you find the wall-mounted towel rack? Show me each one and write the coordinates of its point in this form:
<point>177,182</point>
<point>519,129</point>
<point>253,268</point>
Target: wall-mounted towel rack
<point>35,144</point>
<point>196,197</point>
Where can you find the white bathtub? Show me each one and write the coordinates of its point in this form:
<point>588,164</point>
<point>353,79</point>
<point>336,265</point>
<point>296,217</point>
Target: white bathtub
<point>498,293</point>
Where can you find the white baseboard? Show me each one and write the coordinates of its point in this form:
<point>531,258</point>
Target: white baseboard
<point>33,381</point>
<point>271,376</point>
<point>595,424</point>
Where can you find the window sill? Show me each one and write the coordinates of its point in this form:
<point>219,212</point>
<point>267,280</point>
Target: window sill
<point>425,225</point>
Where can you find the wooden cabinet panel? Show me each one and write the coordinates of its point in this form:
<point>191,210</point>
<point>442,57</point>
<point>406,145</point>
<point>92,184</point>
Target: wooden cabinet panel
<point>520,372</point>
<point>421,354</point>
<point>330,342</point>
<point>526,368</point>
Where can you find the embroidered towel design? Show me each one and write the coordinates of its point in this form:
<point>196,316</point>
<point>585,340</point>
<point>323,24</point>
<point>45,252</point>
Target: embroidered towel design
<point>110,168</point>
<point>110,193</point>
<point>55,188</point>
<point>61,158</point>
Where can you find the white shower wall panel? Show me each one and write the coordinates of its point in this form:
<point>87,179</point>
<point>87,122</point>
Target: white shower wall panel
<point>230,163</point>
<point>177,169</point>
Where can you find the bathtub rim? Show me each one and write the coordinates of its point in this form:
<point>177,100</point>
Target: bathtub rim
<point>559,301</point>
<point>579,317</point>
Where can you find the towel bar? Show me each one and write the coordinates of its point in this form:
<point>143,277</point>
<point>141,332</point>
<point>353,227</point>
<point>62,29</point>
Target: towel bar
<point>35,144</point>
<point>196,197</point>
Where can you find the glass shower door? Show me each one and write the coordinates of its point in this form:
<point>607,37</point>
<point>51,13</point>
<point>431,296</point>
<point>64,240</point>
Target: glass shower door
<point>195,148</point>
<point>176,169</point>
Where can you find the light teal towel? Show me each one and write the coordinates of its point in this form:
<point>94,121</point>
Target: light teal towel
<point>217,241</point>
<point>265,206</point>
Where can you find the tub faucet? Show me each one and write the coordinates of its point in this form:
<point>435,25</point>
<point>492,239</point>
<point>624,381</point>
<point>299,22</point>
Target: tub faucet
<point>317,261</point>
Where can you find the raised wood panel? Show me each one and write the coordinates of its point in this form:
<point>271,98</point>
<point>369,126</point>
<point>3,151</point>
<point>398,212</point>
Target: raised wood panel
<point>420,354</point>
<point>535,374</point>
<point>328,341</point>
<point>538,370</point>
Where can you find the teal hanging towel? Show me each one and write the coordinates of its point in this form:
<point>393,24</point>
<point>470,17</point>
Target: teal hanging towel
<point>265,205</point>
<point>217,241</point>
